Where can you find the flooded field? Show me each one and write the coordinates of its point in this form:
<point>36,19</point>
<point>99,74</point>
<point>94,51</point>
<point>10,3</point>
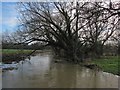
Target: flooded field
<point>41,72</point>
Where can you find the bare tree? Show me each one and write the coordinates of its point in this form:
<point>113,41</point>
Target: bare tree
<point>100,28</point>
<point>68,27</point>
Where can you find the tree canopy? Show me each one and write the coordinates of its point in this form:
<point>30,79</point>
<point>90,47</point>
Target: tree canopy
<point>72,29</point>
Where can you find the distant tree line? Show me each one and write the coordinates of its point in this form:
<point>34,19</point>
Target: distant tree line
<point>21,46</point>
<point>11,41</point>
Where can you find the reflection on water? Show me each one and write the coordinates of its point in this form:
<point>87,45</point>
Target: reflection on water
<point>0,79</point>
<point>41,72</point>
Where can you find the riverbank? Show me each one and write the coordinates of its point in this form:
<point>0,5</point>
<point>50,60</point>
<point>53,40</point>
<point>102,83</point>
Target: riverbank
<point>10,55</point>
<point>14,51</point>
<point>108,64</point>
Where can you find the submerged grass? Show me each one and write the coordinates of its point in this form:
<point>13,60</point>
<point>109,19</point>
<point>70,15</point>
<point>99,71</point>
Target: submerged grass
<point>109,64</point>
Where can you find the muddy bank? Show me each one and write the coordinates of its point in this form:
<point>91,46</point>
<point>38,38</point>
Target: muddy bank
<point>9,58</point>
<point>16,57</point>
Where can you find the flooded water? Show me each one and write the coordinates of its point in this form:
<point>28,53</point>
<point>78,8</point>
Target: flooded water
<point>41,72</point>
<point>0,79</point>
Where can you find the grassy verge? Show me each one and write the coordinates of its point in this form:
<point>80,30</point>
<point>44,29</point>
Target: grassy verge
<point>14,51</point>
<point>109,64</point>
<point>16,55</point>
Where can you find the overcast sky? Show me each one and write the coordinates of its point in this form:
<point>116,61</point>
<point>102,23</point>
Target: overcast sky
<point>9,16</point>
<point>8,20</point>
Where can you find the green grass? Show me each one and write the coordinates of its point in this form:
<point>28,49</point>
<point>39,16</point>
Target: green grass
<point>10,55</point>
<point>109,64</point>
<point>14,51</point>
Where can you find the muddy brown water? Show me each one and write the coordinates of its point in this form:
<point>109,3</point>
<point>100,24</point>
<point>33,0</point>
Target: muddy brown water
<point>41,72</point>
<point>0,79</point>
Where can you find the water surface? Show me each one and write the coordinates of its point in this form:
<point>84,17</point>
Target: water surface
<point>41,72</point>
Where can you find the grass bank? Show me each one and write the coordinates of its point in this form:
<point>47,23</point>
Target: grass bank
<point>15,51</point>
<point>109,64</point>
<point>10,55</point>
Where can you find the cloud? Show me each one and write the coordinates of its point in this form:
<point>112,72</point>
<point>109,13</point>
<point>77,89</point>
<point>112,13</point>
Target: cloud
<point>9,16</point>
<point>10,22</point>
<point>9,0</point>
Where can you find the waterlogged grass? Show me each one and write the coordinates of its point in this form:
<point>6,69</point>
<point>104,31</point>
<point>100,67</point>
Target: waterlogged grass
<point>109,64</point>
<point>15,51</point>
